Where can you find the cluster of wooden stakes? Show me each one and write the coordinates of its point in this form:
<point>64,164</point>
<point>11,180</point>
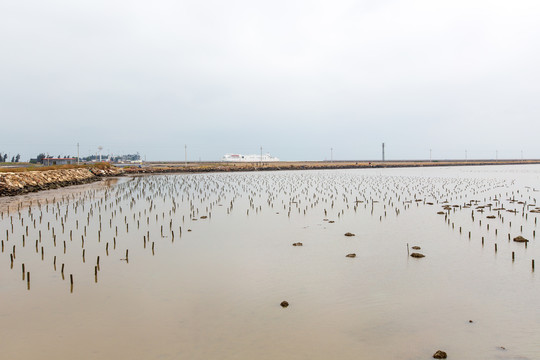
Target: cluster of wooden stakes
<point>129,214</point>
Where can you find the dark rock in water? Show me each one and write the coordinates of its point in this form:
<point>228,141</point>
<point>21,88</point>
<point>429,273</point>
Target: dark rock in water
<point>440,355</point>
<point>331,222</point>
<point>297,244</point>
<point>349,234</point>
<point>351,255</point>
<point>284,304</point>
<point>491,217</point>
<point>416,247</point>
<point>470,321</point>
<point>441,212</point>
<point>204,217</point>
<point>520,239</point>
<point>417,255</point>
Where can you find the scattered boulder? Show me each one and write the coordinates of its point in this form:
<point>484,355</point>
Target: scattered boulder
<point>520,239</point>
<point>416,247</point>
<point>298,244</point>
<point>440,212</point>
<point>353,255</point>
<point>440,355</point>
<point>284,304</point>
<point>491,217</point>
<point>349,234</point>
<point>417,255</point>
<point>331,222</point>
<point>204,217</point>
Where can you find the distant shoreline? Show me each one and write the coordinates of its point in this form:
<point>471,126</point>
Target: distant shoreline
<point>194,167</point>
<point>17,181</point>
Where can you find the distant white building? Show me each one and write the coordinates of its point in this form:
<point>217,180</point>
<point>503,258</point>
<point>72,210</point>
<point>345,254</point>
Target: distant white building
<point>248,158</point>
<point>58,161</point>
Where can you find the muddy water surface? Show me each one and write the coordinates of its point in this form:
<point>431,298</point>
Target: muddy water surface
<point>210,258</point>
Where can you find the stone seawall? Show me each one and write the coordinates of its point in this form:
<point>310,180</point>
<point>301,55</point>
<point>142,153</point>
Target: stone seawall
<point>16,183</point>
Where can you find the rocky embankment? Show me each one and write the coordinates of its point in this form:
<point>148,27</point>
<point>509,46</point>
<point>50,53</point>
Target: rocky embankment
<point>16,183</point>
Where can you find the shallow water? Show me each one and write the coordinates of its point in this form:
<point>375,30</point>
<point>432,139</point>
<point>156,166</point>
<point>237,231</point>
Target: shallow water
<point>214,292</point>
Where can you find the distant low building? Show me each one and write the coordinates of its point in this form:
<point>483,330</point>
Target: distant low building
<point>58,161</point>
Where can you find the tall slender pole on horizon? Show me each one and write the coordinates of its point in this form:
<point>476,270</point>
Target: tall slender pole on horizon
<point>77,153</point>
<point>465,154</point>
<point>382,151</point>
<point>496,154</point>
<point>331,154</point>
<point>261,156</point>
<point>430,155</point>
<point>185,155</point>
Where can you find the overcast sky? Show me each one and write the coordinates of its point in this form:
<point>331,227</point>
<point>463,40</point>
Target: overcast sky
<point>295,77</point>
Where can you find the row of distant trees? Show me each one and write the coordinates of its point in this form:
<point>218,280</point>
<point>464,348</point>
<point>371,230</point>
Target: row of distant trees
<point>4,158</point>
<point>126,157</point>
<point>38,159</point>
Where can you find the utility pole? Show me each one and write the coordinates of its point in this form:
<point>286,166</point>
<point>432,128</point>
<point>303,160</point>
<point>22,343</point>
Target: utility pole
<point>185,154</point>
<point>382,151</point>
<point>261,156</point>
<point>331,154</point>
<point>77,153</point>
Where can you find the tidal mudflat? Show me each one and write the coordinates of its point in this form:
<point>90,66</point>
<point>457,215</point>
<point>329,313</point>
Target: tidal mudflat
<point>196,266</point>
